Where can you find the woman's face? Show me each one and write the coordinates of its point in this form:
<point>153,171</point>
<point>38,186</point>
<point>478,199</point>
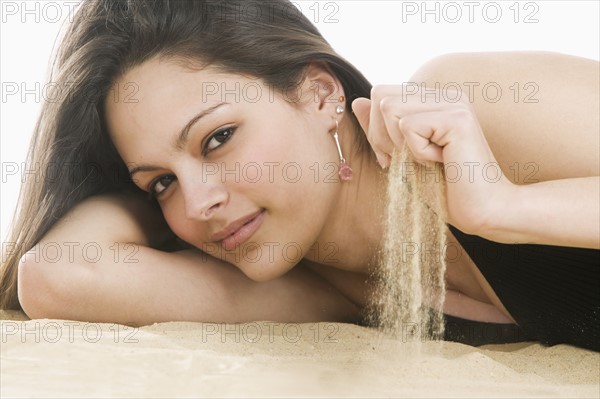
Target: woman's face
<point>219,150</point>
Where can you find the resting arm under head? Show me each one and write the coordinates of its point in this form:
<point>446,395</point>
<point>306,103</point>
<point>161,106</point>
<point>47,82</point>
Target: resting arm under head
<point>139,285</point>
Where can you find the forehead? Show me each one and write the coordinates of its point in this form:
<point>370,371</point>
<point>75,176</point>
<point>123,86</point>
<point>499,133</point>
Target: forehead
<point>156,84</point>
<point>155,99</point>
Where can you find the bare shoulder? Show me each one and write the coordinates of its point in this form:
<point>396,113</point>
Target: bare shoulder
<point>499,64</point>
<point>538,110</point>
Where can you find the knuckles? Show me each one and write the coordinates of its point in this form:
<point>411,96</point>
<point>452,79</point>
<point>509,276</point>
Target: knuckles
<point>458,116</point>
<point>410,92</point>
<point>386,104</point>
<point>461,116</point>
<point>379,91</point>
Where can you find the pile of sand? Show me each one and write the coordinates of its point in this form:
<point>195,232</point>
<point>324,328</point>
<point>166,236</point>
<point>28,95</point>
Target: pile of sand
<point>57,358</point>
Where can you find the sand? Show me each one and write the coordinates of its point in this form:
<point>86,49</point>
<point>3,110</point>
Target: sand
<point>57,358</point>
<point>410,288</point>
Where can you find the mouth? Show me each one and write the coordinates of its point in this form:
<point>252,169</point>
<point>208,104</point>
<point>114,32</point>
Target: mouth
<point>240,231</point>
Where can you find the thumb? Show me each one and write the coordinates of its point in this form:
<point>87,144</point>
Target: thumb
<point>362,109</point>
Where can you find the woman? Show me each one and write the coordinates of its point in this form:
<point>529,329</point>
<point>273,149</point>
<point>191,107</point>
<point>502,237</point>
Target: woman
<point>236,125</point>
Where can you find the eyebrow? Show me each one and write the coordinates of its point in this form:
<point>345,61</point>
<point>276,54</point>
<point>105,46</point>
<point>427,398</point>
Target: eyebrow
<point>181,139</point>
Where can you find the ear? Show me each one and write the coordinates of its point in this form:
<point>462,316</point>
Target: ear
<point>321,90</point>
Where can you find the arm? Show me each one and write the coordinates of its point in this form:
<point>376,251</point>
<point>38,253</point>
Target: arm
<point>556,212</point>
<point>543,131</point>
<point>140,285</point>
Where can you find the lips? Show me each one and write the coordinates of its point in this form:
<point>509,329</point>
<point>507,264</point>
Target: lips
<point>239,231</point>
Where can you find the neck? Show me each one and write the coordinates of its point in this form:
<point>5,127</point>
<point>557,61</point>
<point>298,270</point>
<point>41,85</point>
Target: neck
<point>353,233</point>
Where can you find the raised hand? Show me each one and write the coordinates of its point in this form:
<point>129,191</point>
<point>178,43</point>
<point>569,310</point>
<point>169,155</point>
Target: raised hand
<point>439,128</point>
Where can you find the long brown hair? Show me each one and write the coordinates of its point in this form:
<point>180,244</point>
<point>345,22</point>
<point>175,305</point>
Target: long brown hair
<point>270,40</point>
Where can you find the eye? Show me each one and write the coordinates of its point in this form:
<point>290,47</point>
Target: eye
<point>218,138</point>
<point>160,184</point>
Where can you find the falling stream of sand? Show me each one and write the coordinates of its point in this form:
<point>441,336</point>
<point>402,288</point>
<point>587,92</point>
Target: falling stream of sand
<point>410,281</point>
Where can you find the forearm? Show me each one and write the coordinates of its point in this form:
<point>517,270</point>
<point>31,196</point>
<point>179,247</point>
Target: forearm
<point>96,265</point>
<point>153,286</point>
<point>559,212</point>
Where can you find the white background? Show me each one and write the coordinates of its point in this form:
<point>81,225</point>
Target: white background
<point>386,40</point>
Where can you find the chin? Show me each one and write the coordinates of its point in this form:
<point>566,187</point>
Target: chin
<point>261,272</point>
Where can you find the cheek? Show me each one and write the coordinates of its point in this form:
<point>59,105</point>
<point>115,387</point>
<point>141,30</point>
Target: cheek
<point>175,216</point>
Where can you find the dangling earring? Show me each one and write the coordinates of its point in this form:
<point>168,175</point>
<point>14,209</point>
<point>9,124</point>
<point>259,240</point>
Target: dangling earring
<point>345,171</point>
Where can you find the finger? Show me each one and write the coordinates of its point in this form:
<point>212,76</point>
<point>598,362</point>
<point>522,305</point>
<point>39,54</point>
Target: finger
<point>393,108</point>
<point>396,107</point>
<point>397,101</point>
<point>361,108</point>
<point>391,119</point>
<point>419,97</point>
<point>378,134</point>
<point>422,133</point>
<point>401,105</point>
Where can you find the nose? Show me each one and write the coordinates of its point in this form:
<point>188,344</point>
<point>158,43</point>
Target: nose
<point>203,199</point>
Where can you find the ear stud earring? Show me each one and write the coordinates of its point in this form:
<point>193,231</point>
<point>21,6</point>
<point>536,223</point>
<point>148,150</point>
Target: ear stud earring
<point>340,108</point>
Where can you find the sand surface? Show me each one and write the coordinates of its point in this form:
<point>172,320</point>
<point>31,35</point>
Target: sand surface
<point>58,358</point>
